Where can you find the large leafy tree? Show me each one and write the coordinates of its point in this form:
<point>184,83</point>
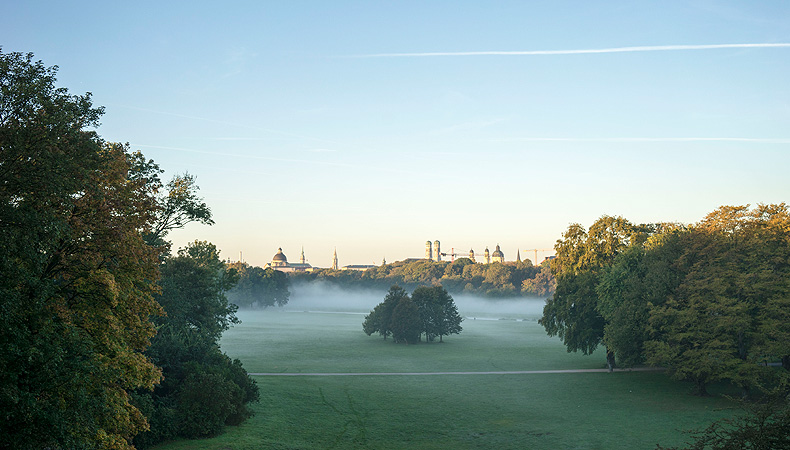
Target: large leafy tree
<point>406,325</point>
<point>572,312</point>
<point>77,280</point>
<point>429,310</point>
<point>728,315</point>
<point>380,319</point>
<point>203,389</point>
<point>193,292</point>
<point>438,313</point>
<point>640,280</point>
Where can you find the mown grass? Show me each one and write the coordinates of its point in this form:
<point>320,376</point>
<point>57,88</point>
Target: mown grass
<point>536,411</point>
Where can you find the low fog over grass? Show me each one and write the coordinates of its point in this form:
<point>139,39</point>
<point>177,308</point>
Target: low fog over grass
<point>326,297</point>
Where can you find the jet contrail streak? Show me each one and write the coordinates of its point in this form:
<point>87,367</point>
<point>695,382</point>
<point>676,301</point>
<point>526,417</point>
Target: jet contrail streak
<point>654,48</point>
<point>648,139</point>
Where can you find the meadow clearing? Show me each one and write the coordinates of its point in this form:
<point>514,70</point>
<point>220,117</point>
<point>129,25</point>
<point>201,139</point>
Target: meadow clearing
<point>630,410</point>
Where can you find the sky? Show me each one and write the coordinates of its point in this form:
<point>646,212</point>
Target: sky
<point>372,127</point>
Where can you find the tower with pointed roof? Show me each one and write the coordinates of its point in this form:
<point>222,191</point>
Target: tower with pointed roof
<point>334,260</point>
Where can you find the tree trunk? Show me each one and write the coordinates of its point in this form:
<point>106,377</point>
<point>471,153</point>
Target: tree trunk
<point>610,360</point>
<point>702,390</point>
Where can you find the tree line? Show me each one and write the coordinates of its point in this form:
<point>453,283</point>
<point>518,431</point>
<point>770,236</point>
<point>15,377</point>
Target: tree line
<point>708,301</point>
<point>258,287</point>
<point>107,340</point>
<point>430,311</point>
<point>459,276</point>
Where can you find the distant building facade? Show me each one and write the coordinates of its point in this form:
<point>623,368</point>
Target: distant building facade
<point>280,262</point>
<point>498,256</point>
<point>433,252</point>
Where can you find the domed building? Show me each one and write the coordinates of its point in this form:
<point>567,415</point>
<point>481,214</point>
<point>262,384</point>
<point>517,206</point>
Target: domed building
<point>498,256</point>
<point>280,262</point>
<point>279,259</point>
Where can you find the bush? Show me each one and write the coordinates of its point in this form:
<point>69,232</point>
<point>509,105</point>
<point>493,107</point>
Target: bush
<point>205,400</point>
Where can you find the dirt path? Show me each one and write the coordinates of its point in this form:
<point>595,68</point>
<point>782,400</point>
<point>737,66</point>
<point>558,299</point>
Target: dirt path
<point>514,372</point>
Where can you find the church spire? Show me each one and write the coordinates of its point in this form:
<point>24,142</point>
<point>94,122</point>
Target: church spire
<point>301,259</point>
<point>334,260</point>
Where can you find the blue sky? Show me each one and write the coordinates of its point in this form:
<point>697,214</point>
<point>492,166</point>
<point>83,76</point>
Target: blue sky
<point>375,126</point>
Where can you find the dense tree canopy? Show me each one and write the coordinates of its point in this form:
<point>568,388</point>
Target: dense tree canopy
<point>709,301</point>
<point>380,319</point>
<point>203,389</point>
<point>77,280</point>
<point>429,310</point>
<point>572,313</point>
<point>729,314</point>
<point>259,288</point>
<point>82,223</point>
<point>438,313</point>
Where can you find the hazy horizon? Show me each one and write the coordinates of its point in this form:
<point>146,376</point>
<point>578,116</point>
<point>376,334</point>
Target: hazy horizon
<point>320,296</point>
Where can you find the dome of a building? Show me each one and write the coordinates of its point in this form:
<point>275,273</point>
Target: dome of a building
<point>498,253</point>
<point>280,256</point>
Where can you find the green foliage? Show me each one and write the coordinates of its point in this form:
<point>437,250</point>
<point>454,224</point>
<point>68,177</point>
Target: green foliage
<point>205,400</point>
<point>405,324</point>
<point>76,278</point>
<point>543,284</point>
<point>193,291</point>
<point>583,256</point>
<point>259,288</point>
<point>178,206</point>
<point>728,315</point>
<point>708,301</point>
<point>380,319</point>
<point>438,313</point>
<point>203,389</point>
<point>430,310</point>
<point>572,313</point>
<point>82,223</point>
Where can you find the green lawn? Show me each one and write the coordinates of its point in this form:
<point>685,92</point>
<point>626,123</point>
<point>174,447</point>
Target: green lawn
<point>530,411</point>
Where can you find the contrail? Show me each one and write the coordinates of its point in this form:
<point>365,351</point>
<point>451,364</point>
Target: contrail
<point>648,139</point>
<point>653,48</point>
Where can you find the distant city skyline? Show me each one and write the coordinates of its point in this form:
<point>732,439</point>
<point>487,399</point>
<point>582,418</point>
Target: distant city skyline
<point>542,254</point>
<point>371,127</point>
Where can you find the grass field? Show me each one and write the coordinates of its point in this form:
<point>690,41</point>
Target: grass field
<point>628,410</point>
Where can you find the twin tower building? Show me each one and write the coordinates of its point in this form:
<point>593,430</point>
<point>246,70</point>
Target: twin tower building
<point>433,252</point>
